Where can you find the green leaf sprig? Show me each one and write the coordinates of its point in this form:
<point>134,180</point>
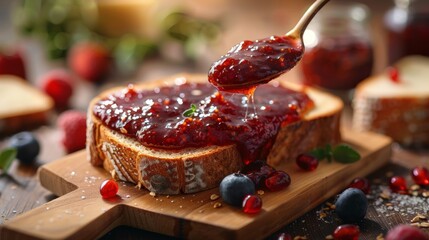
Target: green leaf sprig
<point>341,153</point>
<point>7,156</point>
<point>190,111</point>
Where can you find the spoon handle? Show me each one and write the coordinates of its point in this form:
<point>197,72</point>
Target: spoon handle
<point>302,24</point>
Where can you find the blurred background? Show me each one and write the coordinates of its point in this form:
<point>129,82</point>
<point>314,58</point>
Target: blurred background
<point>148,38</point>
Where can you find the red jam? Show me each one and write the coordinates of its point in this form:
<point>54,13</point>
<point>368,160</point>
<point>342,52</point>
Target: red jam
<point>251,63</point>
<point>338,63</point>
<point>155,117</point>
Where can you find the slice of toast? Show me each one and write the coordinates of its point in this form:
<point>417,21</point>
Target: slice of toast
<point>196,169</point>
<point>397,109</point>
<point>21,105</point>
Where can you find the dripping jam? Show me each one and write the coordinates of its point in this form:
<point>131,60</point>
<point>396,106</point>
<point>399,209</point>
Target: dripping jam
<point>155,117</point>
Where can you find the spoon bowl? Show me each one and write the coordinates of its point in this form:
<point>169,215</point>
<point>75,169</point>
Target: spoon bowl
<point>251,63</point>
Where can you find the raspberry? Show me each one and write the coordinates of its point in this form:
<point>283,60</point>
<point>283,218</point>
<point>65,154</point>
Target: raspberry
<point>57,84</point>
<point>73,125</point>
<point>90,61</point>
<point>12,64</point>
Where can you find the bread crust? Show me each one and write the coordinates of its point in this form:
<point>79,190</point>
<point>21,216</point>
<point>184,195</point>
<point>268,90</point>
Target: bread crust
<point>192,170</point>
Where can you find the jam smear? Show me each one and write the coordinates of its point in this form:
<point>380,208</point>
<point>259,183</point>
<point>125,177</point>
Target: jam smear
<point>155,117</point>
<point>251,63</point>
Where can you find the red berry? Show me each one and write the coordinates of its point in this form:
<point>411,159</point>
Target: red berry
<point>277,181</point>
<point>346,232</point>
<point>362,184</point>
<point>57,84</point>
<point>420,176</point>
<point>406,232</point>
<point>252,204</point>
<point>394,74</point>
<point>73,126</point>
<point>12,64</point>
<point>90,61</point>
<point>398,184</point>
<point>284,236</point>
<point>109,188</point>
<point>307,162</point>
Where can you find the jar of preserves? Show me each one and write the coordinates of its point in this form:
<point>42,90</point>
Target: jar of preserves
<point>339,52</point>
<point>407,27</point>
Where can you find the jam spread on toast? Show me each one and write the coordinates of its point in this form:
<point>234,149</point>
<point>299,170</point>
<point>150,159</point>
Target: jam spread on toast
<point>155,117</point>
<point>251,63</point>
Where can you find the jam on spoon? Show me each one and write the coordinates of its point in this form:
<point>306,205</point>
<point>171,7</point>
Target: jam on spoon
<point>251,63</point>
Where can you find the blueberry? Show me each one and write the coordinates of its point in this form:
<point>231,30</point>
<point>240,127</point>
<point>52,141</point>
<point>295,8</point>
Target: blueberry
<point>27,147</point>
<point>235,187</point>
<point>351,205</point>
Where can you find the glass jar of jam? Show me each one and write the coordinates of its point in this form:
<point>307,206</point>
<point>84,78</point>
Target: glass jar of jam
<point>407,27</point>
<point>338,48</point>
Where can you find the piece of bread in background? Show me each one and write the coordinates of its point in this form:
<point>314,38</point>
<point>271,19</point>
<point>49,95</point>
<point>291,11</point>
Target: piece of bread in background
<point>396,104</point>
<point>22,106</point>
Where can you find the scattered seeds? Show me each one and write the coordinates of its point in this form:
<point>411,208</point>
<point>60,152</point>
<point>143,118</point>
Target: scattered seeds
<point>329,237</point>
<point>214,197</point>
<point>217,205</point>
<point>123,130</point>
<point>260,192</point>
<point>385,195</point>
<point>424,225</point>
<point>300,238</point>
<point>330,205</point>
<point>414,187</point>
<point>380,237</point>
<point>153,194</point>
<point>415,219</point>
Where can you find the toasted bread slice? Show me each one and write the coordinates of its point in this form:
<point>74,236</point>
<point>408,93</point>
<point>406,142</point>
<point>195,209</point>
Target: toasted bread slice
<point>21,105</point>
<point>196,169</point>
<point>397,109</point>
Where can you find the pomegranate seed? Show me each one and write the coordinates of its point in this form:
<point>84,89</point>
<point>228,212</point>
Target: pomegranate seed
<point>109,188</point>
<point>252,204</point>
<point>362,184</point>
<point>420,176</point>
<point>277,181</point>
<point>398,184</point>
<point>346,232</point>
<point>307,162</point>
<point>284,236</point>
<point>394,74</point>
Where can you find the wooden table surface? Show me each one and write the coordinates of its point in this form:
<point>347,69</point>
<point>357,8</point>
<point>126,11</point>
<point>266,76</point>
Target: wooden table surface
<point>23,192</point>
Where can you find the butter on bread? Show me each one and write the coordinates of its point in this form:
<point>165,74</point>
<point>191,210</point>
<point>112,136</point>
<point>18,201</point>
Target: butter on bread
<point>397,109</point>
<point>196,169</point>
<point>22,106</point>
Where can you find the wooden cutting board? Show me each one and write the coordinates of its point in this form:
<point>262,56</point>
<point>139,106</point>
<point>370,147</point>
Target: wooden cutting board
<point>81,213</point>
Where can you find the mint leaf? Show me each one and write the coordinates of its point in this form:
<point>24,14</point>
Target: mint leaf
<point>319,153</point>
<point>6,158</point>
<point>190,111</point>
<point>328,150</point>
<point>345,154</point>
